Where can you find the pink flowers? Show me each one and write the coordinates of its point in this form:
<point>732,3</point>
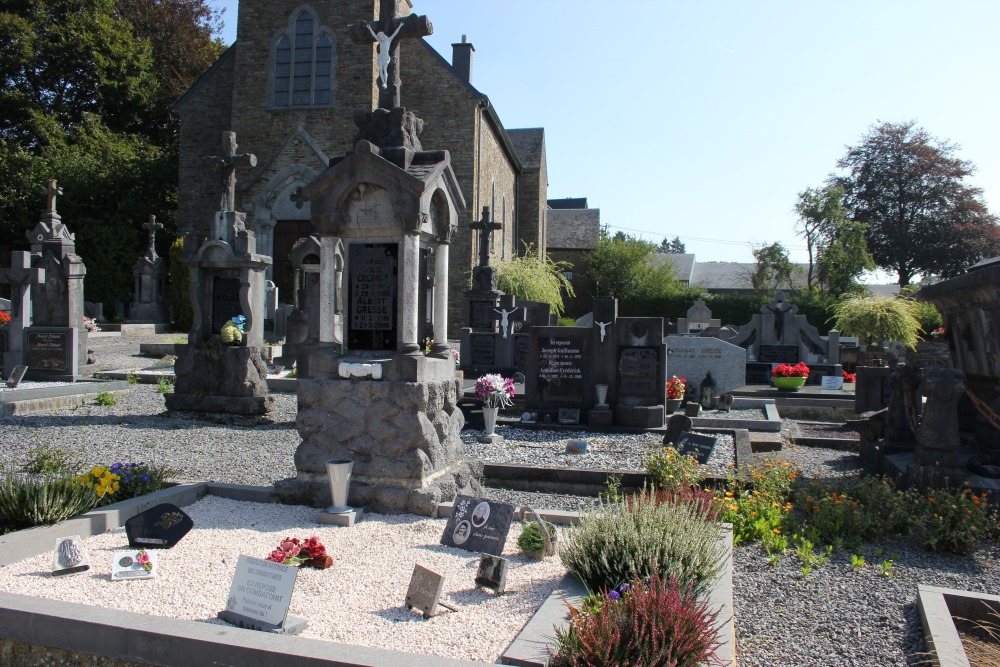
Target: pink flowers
<point>799,370</point>
<point>297,552</point>
<point>495,391</point>
<point>142,558</point>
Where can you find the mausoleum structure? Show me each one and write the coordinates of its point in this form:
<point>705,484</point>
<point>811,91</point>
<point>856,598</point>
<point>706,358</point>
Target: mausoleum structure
<point>383,215</point>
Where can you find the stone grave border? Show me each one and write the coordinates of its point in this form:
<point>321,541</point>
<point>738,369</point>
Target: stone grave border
<point>73,630</point>
<point>22,401</point>
<point>274,384</point>
<point>938,609</point>
<point>771,421</point>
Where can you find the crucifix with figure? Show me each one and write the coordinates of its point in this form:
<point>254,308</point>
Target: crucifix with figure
<point>387,32</point>
<point>152,226</point>
<point>226,164</point>
<point>51,192</point>
<point>485,226</point>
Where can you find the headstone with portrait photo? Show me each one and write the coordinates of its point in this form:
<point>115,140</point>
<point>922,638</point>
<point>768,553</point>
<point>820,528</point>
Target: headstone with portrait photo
<point>478,525</point>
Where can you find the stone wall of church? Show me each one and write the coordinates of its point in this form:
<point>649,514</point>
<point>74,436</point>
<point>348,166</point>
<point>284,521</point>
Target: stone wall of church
<point>532,193</point>
<point>205,115</point>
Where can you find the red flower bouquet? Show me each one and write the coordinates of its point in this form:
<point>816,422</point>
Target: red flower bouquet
<point>302,553</point>
<point>849,377</point>
<point>676,386</point>
<point>799,370</point>
<point>4,318</point>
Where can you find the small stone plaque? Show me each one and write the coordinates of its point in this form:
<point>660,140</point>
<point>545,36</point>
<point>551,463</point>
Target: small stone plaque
<point>574,446</point>
<point>160,527</point>
<point>136,564</point>
<point>424,591</point>
<point>478,525</point>
<point>492,573</point>
<point>677,424</point>
<point>48,351</point>
<point>16,376</point>
<point>569,415</point>
<point>484,350</point>
<point>696,445</point>
<point>260,594</point>
<point>529,417</point>
<point>69,556</point>
<point>832,382</point>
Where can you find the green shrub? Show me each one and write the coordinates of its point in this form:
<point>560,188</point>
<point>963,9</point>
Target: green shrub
<point>42,501</point>
<point>132,378</point>
<point>643,624</point>
<point>668,470</point>
<point>531,540</point>
<point>640,537</point>
<point>51,461</point>
<point>106,398</point>
<point>955,521</point>
<point>164,386</point>
<point>533,278</point>
<point>567,322</point>
<point>757,505</point>
<point>876,318</point>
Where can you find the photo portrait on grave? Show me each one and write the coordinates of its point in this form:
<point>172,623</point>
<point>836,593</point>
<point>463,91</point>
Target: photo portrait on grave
<point>462,531</point>
<point>480,514</point>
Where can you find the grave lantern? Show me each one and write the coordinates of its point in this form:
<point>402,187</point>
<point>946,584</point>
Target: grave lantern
<point>707,393</point>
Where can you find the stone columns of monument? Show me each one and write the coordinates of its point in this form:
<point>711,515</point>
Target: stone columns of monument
<point>441,348</point>
<point>409,330</point>
<point>328,287</point>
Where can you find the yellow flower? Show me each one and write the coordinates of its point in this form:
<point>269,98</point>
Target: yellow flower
<point>729,494</point>
<point>733,507</point>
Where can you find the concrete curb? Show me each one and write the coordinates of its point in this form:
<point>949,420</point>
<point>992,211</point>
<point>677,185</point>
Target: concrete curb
<point>771,422</point>
<point>938,609</point>
<point>23,401</point>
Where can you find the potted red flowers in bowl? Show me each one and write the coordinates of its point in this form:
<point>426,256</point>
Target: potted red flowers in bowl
<point>787,377</point>
<point>675,393</point>
<point>849,380</point>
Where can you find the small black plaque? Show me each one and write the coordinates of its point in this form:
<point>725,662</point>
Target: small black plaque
<point>225,301</point>
<point>521,344</point>
<point>779,354</point>
<point>758,373</point>
<point>478,525</point>
<point>160,527</point>
<point>16,376</point>
<point>696,445</point>
<point>492,573</point>
<point>48,351</point>
<point>481,315</point>
<point>569,415</point>
<point>484,350</point>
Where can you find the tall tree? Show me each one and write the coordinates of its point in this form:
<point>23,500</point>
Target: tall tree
<point>626,268</point>
<point>844,258</point>
<point>819,210</point>
<point>772,269</point>
<point>910,189</point>
<point>674,246</point>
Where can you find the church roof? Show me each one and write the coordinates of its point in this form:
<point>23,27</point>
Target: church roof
<point>209,73</point>
<point>573,229</point>
<point>529,143</point>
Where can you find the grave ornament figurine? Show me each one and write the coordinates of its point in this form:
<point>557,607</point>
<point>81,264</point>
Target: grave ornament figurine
<point>603,326</point>
<point>384,52</point>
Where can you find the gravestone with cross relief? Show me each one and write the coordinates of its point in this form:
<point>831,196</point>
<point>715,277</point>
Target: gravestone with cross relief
<point>150,302</point>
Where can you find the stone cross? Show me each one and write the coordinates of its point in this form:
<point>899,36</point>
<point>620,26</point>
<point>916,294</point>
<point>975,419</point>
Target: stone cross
<point>388,31</point>
<point>20,276</point>
<point>485,227</point>
<point>152,226</point>
<point>226,164</point>
<point>52,191</point>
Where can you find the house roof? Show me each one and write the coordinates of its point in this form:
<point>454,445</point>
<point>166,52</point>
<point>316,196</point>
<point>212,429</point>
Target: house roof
<point>529,143</point>
<point>573,229</point>
<point>683,264</point>
<point>568,202</point>
<point>736,275</point>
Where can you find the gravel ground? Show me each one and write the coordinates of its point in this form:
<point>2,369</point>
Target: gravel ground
<point>832,617</point>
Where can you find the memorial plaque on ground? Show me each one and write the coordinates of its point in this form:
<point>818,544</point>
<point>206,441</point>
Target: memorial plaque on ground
<point>778,354</point>
<point>638,373</point>
<point>492,573</point>
<point>478,525</point>
<point>260,593</point>
<point>139,564</point>
<point>69,556</point>
<point>49,351</point>
<point>424,591</point>
<point>225,301</point>
<point>372,295</point>
<point>481,314</point>
<point>484,350</point>
<point>561,368</point>
<point>16,376</point>
<point>160,527</point>
<point>697,445</point>
<point>694,357</point>
<point>832,382</point>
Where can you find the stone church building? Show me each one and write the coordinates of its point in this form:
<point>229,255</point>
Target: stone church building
<point>289,86</point>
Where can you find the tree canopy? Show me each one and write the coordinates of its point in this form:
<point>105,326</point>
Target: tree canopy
<point>674,246</point>
<point>910,190</point>
<point>626,268</point>
<point>532,278</point>
<point>838,252</point>
<point>772,269</point>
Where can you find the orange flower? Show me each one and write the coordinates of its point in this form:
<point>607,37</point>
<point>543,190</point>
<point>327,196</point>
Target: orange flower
<point>777,532</point>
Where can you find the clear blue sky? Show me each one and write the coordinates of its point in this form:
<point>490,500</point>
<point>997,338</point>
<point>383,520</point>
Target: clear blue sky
<point>705,119</point>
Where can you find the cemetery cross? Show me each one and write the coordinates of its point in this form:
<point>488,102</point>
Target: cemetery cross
<point>151,227</point>
<point>388,31</point>
<point>226,164</point>
<point>20,276</point>
<point>485,227</point>
<point>52,191</point>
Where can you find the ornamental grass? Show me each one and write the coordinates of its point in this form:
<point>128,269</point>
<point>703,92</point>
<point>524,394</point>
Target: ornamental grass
<point>27,501</point>
<point>642,537</point>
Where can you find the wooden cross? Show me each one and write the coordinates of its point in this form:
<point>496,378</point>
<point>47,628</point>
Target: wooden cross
<point>388,31</point>
<point>20,276</point>
<point>52,191</point>
<point>226,164</point>
<point>485,227</point>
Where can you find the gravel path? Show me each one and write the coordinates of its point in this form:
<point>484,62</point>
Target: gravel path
<point>833,617</point>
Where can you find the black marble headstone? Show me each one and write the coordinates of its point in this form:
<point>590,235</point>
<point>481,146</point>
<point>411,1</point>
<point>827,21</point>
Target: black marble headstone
<point>758,373</point>
<point>492,573</point>
<point>779,354</point>
<point>160,527</point>
<point>696,445</point>
<point>484,350</point>
<point>48,350</point>
<point>481,314</point>
<point>478,525</point>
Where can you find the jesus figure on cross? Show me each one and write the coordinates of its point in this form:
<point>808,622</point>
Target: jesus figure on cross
<point>384,52</point>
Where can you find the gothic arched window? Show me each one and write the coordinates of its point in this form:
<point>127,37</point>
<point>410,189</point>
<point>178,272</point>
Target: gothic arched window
<point>303,60</point>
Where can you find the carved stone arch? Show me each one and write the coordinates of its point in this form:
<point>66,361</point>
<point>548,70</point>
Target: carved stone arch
<point>275,203</point>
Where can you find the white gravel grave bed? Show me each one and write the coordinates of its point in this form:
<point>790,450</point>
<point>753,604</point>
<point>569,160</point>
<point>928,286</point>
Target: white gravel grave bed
<point>616,451</point>
<point>359,600</point>
<point>33,385</point>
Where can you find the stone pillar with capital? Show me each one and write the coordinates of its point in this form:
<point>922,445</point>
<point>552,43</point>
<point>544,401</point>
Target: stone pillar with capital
<point>409,295</point>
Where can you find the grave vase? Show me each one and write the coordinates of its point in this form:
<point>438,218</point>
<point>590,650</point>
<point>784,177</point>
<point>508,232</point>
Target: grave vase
<point>338,473</point>
<point>602,394</point>
<point>673,404</point>
<point>848,386</point>
<point>789,383</point>
<point>490,419</point>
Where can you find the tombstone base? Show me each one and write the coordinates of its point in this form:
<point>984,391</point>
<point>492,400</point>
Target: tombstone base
<point>293,624</point>
<point>343,519</point>
<point>216,378</point>
<point>490,439</point>
<point>598,417</point>
<point>639,416</point>
<point>403,437</point>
